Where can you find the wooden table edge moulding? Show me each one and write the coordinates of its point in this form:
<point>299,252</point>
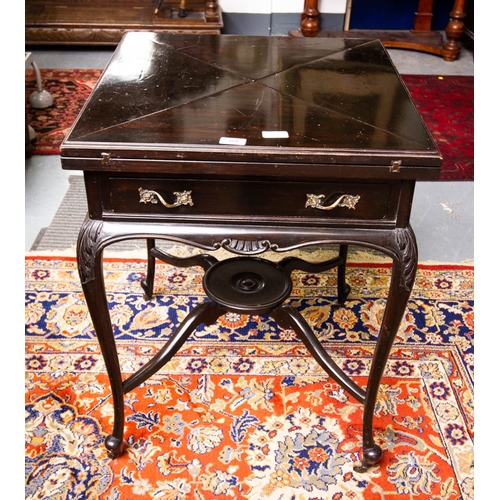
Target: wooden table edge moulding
<point>421,38</point>
<point>264,143</point>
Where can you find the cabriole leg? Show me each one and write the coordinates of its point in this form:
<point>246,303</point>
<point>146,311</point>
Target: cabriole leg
<point>89,258</point>
<point>403,275</point>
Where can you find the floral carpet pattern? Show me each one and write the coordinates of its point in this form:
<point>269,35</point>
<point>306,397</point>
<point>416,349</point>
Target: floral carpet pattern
<point>69,89</point>
<point>446,104</point>
<point>243,411</point>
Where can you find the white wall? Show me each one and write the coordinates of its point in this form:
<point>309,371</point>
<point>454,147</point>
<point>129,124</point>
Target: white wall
<point>287,6</point>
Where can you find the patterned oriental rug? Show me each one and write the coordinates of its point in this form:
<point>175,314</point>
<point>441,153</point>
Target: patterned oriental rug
<point>445,102</point>
<point>243,411</point>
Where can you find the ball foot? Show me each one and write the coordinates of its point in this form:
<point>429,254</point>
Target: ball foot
<point>115,446</point>
<point>370,457</point>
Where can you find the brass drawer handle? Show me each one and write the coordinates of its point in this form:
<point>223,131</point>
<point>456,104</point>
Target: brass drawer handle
<point>344,200</point>
<point>148,196</point>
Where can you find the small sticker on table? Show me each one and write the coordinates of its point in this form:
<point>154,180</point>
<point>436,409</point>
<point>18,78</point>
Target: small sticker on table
<point>235,141</point>
<point>275,134</point>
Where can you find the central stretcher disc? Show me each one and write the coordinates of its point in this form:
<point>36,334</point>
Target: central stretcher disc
<point>247,285</point>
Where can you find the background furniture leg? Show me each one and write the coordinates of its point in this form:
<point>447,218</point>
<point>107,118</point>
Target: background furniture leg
<point>211,10</point>
<point>454,31</point>
<point>309,25</point>
<point>423,16</point>
<point>182,9</point>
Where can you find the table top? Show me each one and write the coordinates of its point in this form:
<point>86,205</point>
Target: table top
<point>253,98</point>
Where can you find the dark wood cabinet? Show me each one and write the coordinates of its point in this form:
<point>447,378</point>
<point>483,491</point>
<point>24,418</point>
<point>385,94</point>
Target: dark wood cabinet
<point>96,22</point>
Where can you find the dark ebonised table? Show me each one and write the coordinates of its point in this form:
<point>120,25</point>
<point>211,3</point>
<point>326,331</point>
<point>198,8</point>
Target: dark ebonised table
<point>249,144</point>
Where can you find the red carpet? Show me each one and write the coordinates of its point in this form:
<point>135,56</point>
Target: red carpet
<point>242,411</point>
<point>446,104</point>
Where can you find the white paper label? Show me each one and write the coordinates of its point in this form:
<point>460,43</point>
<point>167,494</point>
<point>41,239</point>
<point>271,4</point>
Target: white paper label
<point>232,140</point>
<point>275,134</point>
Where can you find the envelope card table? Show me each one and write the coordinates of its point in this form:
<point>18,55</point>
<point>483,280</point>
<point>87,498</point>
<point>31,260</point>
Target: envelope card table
<point>251,144</point>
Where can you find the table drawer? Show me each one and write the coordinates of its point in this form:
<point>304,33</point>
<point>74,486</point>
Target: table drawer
<point>186,198</point>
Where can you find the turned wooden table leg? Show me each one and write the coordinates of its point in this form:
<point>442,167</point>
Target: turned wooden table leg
<point>182,9</point>
<point>309,25</point>
<point>211,10</point>
<point>454,31</point>
<point>423,16</point>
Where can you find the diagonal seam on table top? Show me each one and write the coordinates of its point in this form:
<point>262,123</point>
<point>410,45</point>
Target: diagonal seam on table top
<point>239,80</point>
<point>109,85</point>
<point>154,121</point>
